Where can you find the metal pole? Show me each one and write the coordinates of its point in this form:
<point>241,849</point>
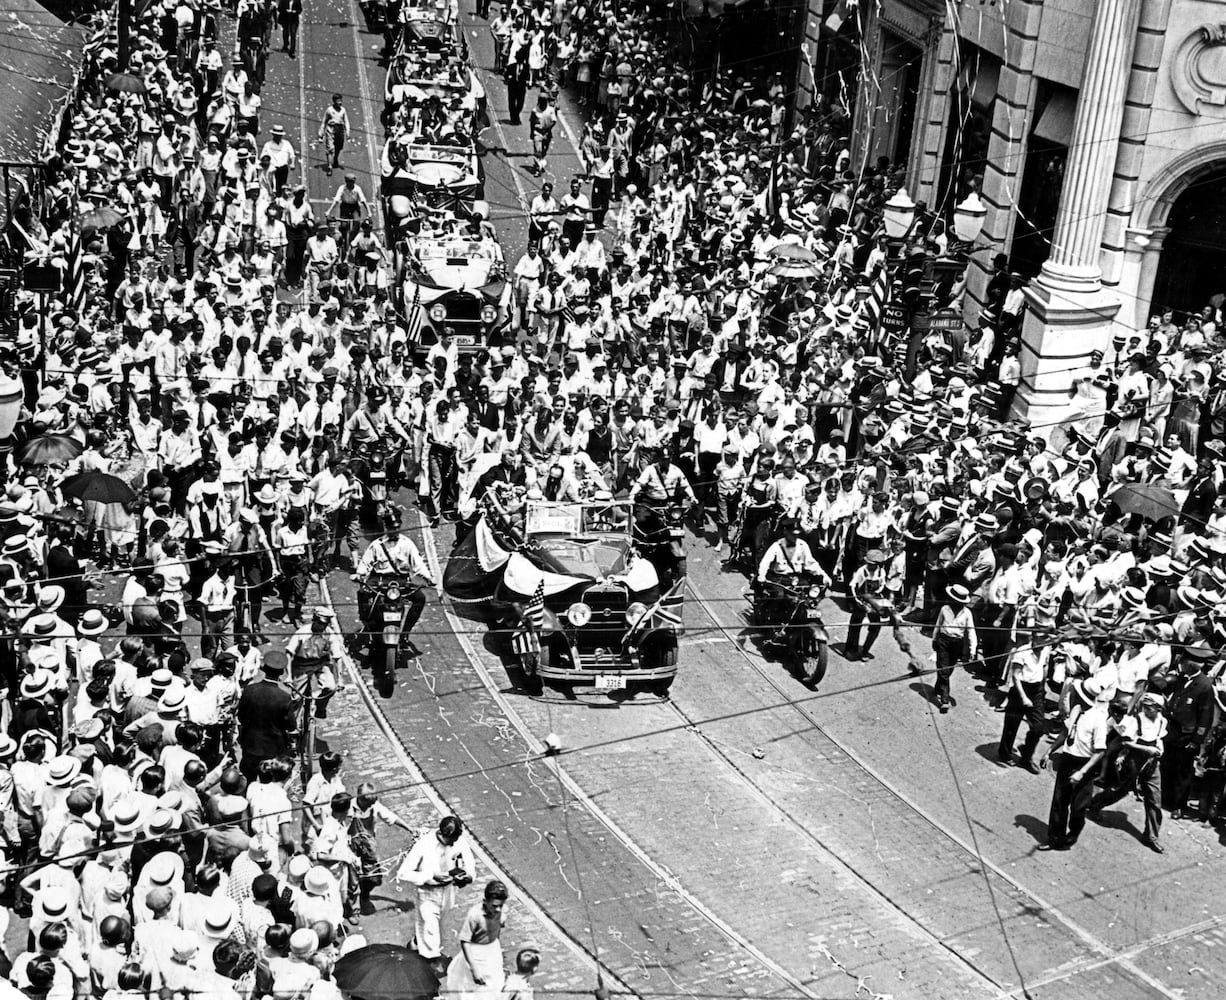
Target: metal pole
<point>42,339</point>
<point>125,27</point>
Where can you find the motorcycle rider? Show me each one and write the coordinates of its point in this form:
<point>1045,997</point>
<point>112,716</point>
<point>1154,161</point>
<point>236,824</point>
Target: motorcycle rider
<point>661,482</point>
<point>372,422</point>
<point>787,557</point>
<point>393,555</point>
<point>317,648</point>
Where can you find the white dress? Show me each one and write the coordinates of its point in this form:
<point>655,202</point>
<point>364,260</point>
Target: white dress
<point>481,936</point>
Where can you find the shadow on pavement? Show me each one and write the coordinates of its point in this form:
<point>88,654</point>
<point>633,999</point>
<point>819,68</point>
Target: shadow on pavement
<point>1034,826</point>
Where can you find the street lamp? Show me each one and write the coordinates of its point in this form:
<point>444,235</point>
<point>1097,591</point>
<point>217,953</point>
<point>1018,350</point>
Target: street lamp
<point>969,218</point>
<point>12,392</point>
<point>898,214</point>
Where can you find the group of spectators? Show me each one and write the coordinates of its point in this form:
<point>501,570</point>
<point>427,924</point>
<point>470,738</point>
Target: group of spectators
<point>157,839</point>
<point>1075,565</point>
<point>149,829</point>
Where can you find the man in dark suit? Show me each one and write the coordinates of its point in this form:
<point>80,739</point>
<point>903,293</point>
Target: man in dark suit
<point>289,13</point>
<point>266,722</point>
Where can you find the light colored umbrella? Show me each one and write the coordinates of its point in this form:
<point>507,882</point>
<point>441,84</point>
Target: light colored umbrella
<point>1147,499</point>
<point>100,217</point>
<point>792,251</point>
<point>50,449</point>
<point>793,269</point>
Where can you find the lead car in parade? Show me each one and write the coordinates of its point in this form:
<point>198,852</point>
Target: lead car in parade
<point>583,610</point>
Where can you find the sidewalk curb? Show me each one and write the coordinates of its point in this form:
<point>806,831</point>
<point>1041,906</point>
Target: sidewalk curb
<point>581,798</point>
<point>522,896</point>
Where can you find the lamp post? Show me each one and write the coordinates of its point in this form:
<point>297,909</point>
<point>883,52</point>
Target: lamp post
<point>969,217</point>
<point>12,392</point>
<point>897,215</point>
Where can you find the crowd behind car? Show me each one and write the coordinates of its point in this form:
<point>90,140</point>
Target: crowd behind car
<point>656,348</point>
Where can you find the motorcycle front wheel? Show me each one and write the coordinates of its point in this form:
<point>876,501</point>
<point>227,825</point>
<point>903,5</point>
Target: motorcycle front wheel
<point>813,665</point>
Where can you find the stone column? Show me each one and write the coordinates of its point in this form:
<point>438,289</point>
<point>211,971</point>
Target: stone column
<point>1069,313</point>
<point>1011,118</point>
<point>1134,134</point>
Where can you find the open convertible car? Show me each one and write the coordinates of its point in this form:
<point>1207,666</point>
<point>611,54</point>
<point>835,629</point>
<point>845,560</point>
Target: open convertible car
<point>584,611</point>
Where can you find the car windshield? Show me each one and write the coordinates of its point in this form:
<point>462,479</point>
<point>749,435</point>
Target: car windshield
<point>592,557</point>
<point>434,251</point>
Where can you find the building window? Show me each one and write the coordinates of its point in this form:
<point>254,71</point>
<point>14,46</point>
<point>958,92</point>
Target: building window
<point>971,107</point>
<point>1038,197</point>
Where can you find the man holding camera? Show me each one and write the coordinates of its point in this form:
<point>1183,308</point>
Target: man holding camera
<point>437,864</point>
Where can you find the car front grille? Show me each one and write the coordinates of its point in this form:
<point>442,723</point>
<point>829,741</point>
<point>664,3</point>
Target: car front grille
<point>463,309</point>
<point>608,625</point>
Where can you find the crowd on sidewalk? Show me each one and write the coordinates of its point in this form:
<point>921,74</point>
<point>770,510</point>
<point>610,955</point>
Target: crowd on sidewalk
<point>155,841</point>
<point>731,329</point>
<point>691,320</point>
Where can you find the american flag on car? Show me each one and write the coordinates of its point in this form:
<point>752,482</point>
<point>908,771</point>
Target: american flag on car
<point>525,639</point>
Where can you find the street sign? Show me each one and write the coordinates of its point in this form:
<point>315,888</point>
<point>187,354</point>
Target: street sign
<point>893,318</point>
<point>41,278</point>
<point>942,319</point>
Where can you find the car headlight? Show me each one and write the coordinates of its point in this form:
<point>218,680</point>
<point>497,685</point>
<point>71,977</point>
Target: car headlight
<point>635,612</point>
<point>488,314</point>
<point>815,592</point>
<point>438,312</point>
<point>579,614</point>
<point>392,593</point>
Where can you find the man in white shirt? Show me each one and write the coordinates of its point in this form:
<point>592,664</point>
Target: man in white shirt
<point>436,865</point>
<point>1078,753</point>
<point>1142,737</point>
<point>281,154</point>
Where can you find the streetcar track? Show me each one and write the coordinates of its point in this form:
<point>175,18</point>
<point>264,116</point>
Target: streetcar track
<point>422,782</point>
<point>581,797</point>
<point>1104,954</point>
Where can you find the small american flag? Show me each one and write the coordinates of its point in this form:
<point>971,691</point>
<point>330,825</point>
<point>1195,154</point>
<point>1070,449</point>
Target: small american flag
<point>525,640</point>
<point>534,613</point>
<point>413,316</point>
<point>874,305</point>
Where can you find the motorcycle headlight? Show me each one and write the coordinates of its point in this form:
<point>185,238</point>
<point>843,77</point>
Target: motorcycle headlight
<point>392,593</point>
<point>488,314</point>
<point>815,592</point>
<point>579,614</point>
<point>635,612</point>
<point>438,312</point>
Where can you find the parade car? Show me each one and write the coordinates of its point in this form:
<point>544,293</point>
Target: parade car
<point>424,27</point>
<point>585,611</point>
<point>416,174</point>
<point>419,71</point>
<point>451,280</point>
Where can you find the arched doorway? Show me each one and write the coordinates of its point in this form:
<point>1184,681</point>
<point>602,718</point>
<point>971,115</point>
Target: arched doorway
<point>1192,268</point>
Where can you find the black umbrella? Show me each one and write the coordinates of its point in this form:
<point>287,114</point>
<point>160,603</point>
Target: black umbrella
<point>99,486</point>
<point>385,972</point>
<point>126,83</point>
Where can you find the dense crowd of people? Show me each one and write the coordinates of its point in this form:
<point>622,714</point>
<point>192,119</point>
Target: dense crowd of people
<point>690,324</point>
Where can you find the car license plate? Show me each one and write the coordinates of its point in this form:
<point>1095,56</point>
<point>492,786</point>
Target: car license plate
<point>610,682</point>
<point>391,616</point>
<point>464,340</point>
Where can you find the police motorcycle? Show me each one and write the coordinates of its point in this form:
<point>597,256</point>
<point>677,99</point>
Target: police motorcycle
<point>659,534</point>
<point>376,471</point>
<point>385,601</point>
<point>788,609</point>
